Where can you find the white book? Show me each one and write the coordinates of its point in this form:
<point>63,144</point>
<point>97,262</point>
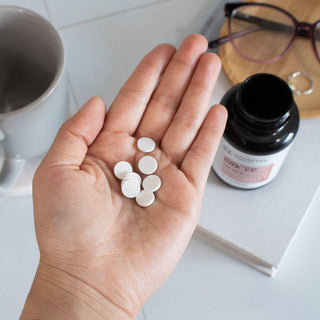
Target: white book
<point>257,226</point>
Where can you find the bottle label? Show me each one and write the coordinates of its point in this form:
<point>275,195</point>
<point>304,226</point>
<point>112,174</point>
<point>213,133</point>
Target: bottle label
<point>245,170</point>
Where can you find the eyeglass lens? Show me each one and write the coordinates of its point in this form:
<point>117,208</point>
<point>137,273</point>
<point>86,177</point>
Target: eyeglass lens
<point>263,33</point>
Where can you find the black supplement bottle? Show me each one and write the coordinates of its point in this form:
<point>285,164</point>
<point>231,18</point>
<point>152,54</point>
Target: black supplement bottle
<point>263,122</point>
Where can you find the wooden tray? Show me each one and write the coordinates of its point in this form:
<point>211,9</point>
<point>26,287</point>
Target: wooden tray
<point>300,57</point>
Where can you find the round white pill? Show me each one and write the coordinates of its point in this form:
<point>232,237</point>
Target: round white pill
<point>147,164</point>
<point>132,175</point>
<point>145,198</point>
<point>152,183</point>
<point>146,144</point>
<point>130,187</point>
<point>121,169</point>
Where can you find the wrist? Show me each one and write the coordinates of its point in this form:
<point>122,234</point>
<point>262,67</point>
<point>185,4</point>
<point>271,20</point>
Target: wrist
<point>56,294</point>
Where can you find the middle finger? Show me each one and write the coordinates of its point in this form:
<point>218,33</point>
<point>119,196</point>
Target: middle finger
<point>172,86</point>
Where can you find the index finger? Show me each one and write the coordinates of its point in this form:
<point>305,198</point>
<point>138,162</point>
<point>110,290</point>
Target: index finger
<point>128,107</point>
<point>199,158</point>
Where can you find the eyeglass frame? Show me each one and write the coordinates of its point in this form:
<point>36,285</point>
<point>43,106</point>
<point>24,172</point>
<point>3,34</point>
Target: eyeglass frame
<point>303,29</point>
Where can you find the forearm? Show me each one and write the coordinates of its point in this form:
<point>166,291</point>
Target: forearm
<point>57,295</point>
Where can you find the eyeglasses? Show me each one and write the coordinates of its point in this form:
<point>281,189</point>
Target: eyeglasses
<point>263,33</point>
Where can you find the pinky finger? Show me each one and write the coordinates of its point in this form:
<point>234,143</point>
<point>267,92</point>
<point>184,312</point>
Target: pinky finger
<point>198,160</point>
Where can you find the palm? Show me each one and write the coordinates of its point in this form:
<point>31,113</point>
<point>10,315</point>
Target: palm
<point>142,234</point>
<point>91,219</point>
<point>177,193</point>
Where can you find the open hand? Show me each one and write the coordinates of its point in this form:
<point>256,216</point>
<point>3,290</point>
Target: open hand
<point>98,249</point>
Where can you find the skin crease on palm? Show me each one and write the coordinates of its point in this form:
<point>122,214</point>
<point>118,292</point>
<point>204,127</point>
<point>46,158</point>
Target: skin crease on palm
<point>101,255</point>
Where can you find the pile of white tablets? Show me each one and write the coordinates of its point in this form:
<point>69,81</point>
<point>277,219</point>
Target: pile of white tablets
<point>131,181</point>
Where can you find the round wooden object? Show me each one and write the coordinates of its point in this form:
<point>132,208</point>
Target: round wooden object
<point>300,57</point>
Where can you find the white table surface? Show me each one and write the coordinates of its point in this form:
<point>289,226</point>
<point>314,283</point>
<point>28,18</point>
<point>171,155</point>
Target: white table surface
<point>104,40</point>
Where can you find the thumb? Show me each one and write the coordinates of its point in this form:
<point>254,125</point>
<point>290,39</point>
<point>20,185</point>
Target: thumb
<point>76,134</point>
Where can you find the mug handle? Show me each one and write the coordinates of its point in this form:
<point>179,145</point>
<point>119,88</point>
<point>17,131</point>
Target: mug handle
<point>10,171</point>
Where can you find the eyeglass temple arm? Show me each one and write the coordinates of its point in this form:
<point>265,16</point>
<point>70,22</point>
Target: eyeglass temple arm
<point>280,27</point>
<point>222,40</point>
<point>266,24</point>
<point>261,24</point>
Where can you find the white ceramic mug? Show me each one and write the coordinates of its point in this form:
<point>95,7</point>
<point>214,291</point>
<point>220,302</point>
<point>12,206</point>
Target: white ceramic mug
<point>33,90</point>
